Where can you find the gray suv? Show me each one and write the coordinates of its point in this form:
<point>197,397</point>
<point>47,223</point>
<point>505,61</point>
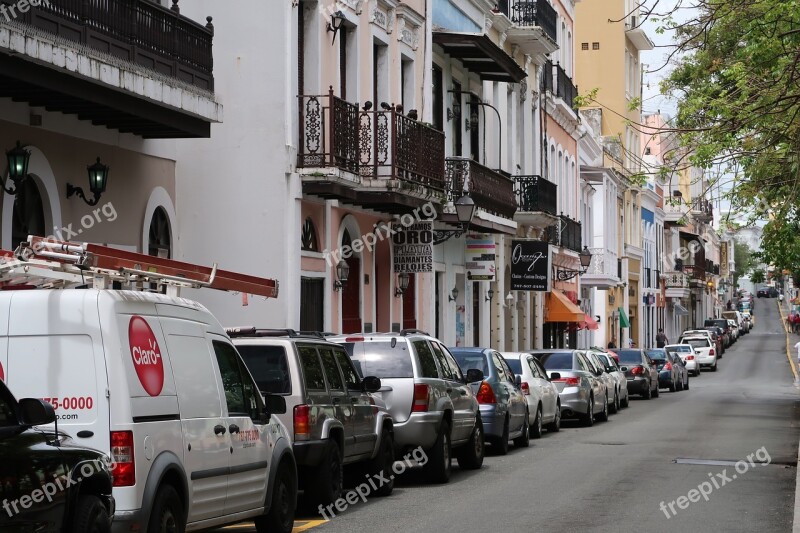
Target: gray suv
<point>330,414</point>
<point>427,395</point>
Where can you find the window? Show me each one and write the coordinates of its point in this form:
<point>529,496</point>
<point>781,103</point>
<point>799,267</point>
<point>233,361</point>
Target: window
<point>502,373</point>
<point>7,410</point>
<point>159,237</point>
<point>427,362</point>
<point>269,367</point>
<point>447,372</point>
<point>350,374</point>
<point>454,368</point>
<point>309,236</point>
<point>595,46</point>
<point>504,365</point>
<point>312,370</point>
<point>469,360</point>
<point>240,392</point>
<point>584,46</point>
<point>537,369</point>
<point>556,360</point>
<point>335,381</point>
<point>383,359</point>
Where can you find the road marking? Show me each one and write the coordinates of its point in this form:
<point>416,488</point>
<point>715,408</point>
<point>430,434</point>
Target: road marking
<point>299,526</point>
<point>788,352</point>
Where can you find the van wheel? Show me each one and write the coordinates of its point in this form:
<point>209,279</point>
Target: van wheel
<point>91,516</point>
<point>439,461</point>
<point>380,467</point>
<point>329,478</point>
<point>168,515</point>
<point>280,518</point>
<point>470,455</point>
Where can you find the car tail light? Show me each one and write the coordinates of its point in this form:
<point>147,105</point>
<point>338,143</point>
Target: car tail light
<point>711,352</point>
<point>302,422</point>
<point>420,404</point>
<point>668,366</point>
<point>690,358</point>
<point>526,390</point>
<point>569,382</point>
<point>637,370</point>
<point>354,339</point>
<point>124,471</point>
<point>486,394</point>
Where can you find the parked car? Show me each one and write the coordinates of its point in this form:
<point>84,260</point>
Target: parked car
<point>739,319</point>
<point>427,395</point>
<point>174,379</point>
<point>720,338</point>
<point>715,341</point>
<point>612,367</point>
<point>688,356</point>
<point>767,292</point>
<point>504,410</point>
<point>330,414</point>
<point>704,350</point>
<point>723,324</point>
<point>640,372</point>
<point>734,327</point>
<point>612,393</point>
<point>672,373</point>
<point>583,396</point>
<point>539,391</point>
<point>32,455</point>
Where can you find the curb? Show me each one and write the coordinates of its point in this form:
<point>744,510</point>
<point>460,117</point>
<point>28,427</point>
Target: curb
<point>791,360</point>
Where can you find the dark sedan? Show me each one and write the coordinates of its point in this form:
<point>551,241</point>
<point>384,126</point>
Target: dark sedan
<point>640,371</point>
<point>672,373</point>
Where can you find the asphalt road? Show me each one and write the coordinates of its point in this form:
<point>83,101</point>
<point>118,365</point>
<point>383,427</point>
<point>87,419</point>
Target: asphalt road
<point>615,475</point>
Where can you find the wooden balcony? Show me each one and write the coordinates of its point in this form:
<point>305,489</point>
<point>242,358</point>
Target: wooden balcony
<point>376,158</point>
<point>492,191</point>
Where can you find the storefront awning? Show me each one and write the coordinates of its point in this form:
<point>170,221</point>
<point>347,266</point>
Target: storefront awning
<point>623,319</point>
<point>589,323</point>
<point>560,309</point>
<point>681,310</point>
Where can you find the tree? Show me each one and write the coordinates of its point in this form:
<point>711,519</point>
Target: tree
<point>757,277</point>
<point>743,257</point>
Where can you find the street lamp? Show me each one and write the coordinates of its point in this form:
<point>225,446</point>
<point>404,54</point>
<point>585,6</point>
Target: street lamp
<point>465,211</point>
<point>18,159</point>
<point>337,19</point>
<point>585,258</point>
<point>402,283</point>
<point>342,272</point>
<point>453,296</point>
<point>489,295</point>
<point>98,179</point>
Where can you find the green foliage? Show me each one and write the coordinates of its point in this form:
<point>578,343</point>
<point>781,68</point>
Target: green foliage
<point>585,100</point>
<point>744,259</point>
<point>758,277</point>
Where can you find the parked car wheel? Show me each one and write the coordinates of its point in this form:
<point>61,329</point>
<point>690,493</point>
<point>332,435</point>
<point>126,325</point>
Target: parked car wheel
<point>280,518</point>
<point>614,407</point>
<point>588,418</point>
<point>500,444</point>
<point>672,386</point>
<point>627,401</point>
<point>679,386</point>
<point>168,515</point>
<point>524,440</point>
<point>648,393</point>
<point>91,516</point>
<point>656,392</point>
<point>714,368</point>
<point>603,416</point>
<point>439,460</point>
<point>329,478</point>
<point>536,428</point>
<point>470,456</point>
<point>555,425</point>
<point>380,467</point>
<point>686,386</point>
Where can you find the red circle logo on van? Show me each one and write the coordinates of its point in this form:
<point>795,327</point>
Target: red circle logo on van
<point>146,356</point>
<point>2,374</point>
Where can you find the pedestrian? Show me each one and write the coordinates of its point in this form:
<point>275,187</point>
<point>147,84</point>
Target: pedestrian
<point>661,339</point>
<point>797,347</point>
<point>612,344</point>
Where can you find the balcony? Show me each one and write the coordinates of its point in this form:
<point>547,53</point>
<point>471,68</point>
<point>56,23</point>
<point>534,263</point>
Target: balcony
<point>677,284</point>
<point>491,190</point>
<point>676,212</point>
<point>603,271</point>
<point>130,65</point>
<point>379,159</point>
<point>534,25</point>
<point>567,234</point>
<point>536,201</point>
<point>702,210</point>
<point>565,88</point>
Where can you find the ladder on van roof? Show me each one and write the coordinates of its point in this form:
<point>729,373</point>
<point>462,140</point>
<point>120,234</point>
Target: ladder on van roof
<point>49,264</point>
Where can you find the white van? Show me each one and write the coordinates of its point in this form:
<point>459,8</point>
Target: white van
<point>153,381</point>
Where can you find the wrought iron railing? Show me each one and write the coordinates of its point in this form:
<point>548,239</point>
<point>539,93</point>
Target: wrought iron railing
<point>697,272</point>
<point>139,31</point>
<point>548,81</point>
<point>677,280</point>
<point>527,13</point>
<point>702,207</point>
<point>566,89</point>
<point>566,234</point>
<point>490,190</point>
<point>376,144</point>
<point>534,193</point>
<point>604,262</point>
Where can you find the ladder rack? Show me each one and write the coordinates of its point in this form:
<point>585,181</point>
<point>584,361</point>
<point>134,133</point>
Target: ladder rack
<point>48,264</point>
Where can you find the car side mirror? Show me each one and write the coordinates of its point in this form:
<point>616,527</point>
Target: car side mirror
<point>273,405</point>
<point>555,375</point>
<point>473,375</point>
<point>36,412</point>
<point>371,384</point>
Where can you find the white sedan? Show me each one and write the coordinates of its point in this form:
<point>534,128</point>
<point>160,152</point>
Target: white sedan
<point>541,394</point>
<point>688,356</point>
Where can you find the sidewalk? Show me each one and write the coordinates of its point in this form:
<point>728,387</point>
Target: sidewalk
<point>791,353</point>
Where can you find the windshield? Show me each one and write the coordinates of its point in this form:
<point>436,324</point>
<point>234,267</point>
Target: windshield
<point>678,348</point>
<point>630,356</point>
<point>657,354</point>
<point>555,360</point>
<point>469,360</point>
<point>514,365</point>
<point>381,359</point>
<point>698,343</point>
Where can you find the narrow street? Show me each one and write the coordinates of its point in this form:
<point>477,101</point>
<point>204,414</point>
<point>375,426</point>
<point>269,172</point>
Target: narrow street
<point>614,475</point>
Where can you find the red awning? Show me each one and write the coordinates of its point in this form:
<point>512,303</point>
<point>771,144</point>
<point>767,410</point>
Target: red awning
<point>589,323</point>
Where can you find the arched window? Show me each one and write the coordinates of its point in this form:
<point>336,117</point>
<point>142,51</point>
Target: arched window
<point>28,215</point>
<point>160,235</point>
<point>308,237</point>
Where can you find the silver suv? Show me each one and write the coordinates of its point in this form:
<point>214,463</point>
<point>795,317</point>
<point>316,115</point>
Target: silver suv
<point>427,395</point>
<point>330,414</point>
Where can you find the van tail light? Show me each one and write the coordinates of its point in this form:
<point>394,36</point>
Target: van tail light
<point>302,425</point>
<point>668,366</point>
<point>711,352</point>
<point>420,404</point>
<point>486,394</point>
<point>526,390</point>
<point>637,370</point>
<point>124,470</point>
<point>569,382</point>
